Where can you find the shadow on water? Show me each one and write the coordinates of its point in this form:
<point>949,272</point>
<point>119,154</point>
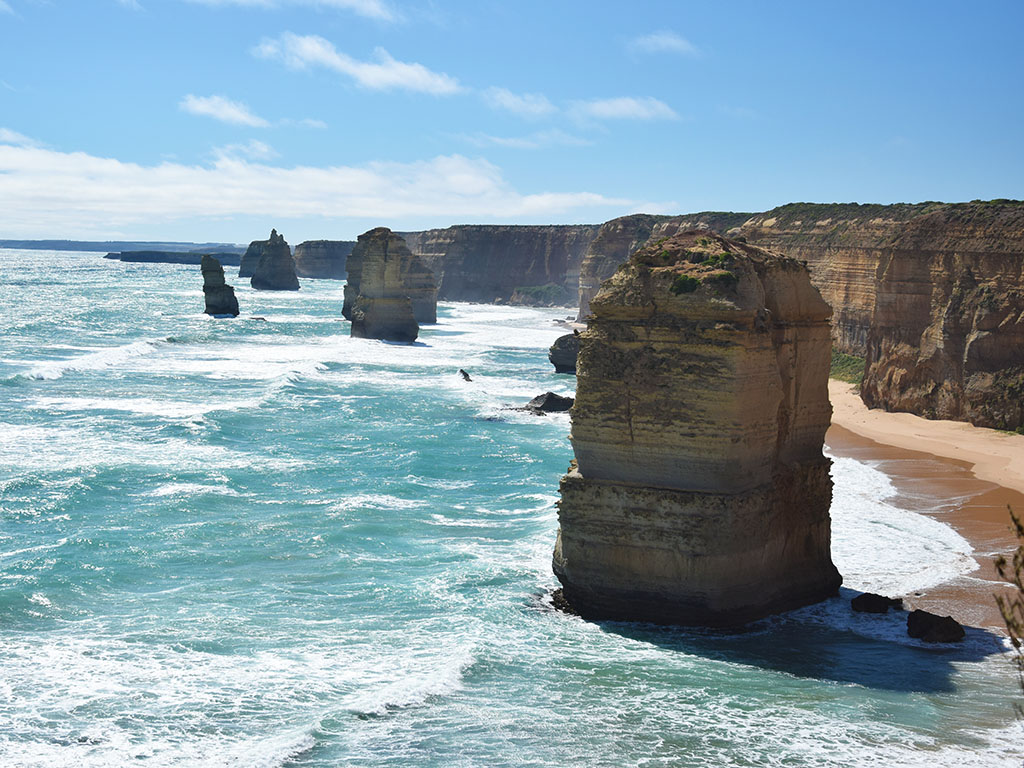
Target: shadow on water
<point>828,641</point>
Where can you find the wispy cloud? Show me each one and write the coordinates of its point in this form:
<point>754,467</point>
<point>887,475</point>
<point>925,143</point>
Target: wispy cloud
<point>536,140</point>
<point>372,9</point>
<point>5,8</point>
<point>133,4</point>
<point>220,108</point>
<point>664,41</point>
<point>7,136</point>
<point>253,149</point>
<point>47,191</point>
<point>384,74</point>
<point>624,108</point>
<point>529,105</point>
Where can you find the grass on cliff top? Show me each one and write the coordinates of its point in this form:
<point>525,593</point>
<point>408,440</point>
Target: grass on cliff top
<point>846,368</point>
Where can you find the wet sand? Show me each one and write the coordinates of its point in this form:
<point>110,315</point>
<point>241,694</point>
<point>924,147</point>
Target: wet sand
<point>945,484</point>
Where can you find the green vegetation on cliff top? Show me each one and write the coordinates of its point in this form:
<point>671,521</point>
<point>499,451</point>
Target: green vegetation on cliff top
<point>846,368</point>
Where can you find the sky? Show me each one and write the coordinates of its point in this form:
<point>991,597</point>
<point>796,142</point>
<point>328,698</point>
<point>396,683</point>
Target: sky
<point>214,120</point>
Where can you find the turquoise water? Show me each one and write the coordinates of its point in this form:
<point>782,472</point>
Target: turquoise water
<point>262,543</point>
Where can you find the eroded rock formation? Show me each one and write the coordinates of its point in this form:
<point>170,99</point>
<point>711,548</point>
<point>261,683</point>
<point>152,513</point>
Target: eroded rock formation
<point>564,351</point>
<point>699,494</point>
<point>539,264</point>
<point>220,297</point>
<point>251,257</point>
<point>275,270</point>
<point>323,259</point>
<point>377,295</point>
<point>414,280</point>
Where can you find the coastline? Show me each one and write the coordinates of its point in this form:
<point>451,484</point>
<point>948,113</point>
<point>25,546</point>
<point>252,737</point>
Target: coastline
<point>959,474</point>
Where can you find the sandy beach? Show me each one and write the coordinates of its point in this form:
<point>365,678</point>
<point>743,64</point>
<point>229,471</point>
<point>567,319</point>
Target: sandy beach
<point>962,475</point>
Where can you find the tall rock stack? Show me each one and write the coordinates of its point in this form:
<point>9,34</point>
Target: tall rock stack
<point>699,494</point>
<point>220,297</point>
<point>275,270</point>
<point>383,278</point>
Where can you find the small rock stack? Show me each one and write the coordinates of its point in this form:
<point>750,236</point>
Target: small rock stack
<point>275,269</point>
<point>220,297</point>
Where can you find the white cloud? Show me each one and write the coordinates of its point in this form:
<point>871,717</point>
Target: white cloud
<point>536,140</point>
<point>624,108</point>
<point>5,8</point>
<point>49,192</point>
<point>522,104</point>
<point>373,9</point>
<point>255,150</point>
<point>664,41</point>
<point>384,74</point>
<point>7,136</point>
<point>220,108</point>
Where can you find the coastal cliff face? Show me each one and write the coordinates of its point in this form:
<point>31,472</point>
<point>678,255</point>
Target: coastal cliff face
<point>275,270</point>
<point>323,259</point>
<point>251,257</point>
<point>930,294</point>
<point>220,297</point>
<point>699,494</point>
<point>540,265</point>
<point>387,285</point>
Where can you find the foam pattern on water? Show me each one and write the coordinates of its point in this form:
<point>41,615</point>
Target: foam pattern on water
<point>263,543</point>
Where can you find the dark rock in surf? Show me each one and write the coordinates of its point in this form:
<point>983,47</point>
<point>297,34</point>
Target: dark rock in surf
<point>871,603</point>
<point>549,402</point>
<point>931,628</point>
<point>563,353</point>
<point>220,297</point>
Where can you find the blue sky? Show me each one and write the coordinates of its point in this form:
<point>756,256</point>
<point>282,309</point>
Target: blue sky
<point>217,119</point>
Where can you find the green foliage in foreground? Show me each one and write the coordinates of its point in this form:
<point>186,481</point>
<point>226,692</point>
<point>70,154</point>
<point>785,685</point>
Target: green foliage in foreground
<point>846,368</point>
<point>1012,607</point>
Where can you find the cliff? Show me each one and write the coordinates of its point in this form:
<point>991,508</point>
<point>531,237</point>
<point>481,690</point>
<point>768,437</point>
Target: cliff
<point>324,259</point>
<point>487,263</point>
<point>700,494</point>
<point>386,286</point>
<point>251,257</point>
<point>174,257</point>
<point>220,297</point>
<point>275,270</point>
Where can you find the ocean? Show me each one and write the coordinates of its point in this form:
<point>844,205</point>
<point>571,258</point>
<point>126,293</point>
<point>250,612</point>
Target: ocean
<point>259,542</point>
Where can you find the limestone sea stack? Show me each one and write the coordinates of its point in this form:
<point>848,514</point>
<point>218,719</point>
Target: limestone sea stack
<point>699,494</point>
<point>563,352</point>
<point>415,280</point>
<point>275,270</point>
<point>251,257</point>
<point>377,300</point>
<point>220,297</point>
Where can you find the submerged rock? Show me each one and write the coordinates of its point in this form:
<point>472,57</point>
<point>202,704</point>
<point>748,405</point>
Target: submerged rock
<point>412,279</point>
<point>220,297</point>
<point>872,603</point>
<point>275,270</point>
<point>931,628</point>
<point>700,493</point>
<point>564,351</point>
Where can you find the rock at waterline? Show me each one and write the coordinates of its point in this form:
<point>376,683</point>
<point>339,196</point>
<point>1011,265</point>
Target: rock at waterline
<point>934,629</point>
<point>872,603</point>
<point>549,402</point>
<point>564,351</point>
<point>220,297</point>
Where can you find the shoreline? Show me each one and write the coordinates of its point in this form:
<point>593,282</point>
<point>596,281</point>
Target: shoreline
<point>956,473</point>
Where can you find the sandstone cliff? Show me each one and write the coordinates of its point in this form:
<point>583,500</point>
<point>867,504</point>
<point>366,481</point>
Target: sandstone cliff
<point>275,270</point>
<point>324,259</point>
<point>220,297</point>
<point>387,287</point>
<point>484,262</point>
<point>700,494</point>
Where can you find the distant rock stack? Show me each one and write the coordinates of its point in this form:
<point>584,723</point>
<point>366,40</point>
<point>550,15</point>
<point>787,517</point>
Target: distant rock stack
<point>220,297</point>
<point>377,298</point>
<point>275,270</point>
<point>251,257</point>
<point>323,259</point>
<point>420,285</point>
<point>700,494</point>
<point>563,353</point>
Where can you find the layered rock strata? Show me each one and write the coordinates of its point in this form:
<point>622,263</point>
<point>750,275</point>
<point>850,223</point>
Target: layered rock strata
<point>699,494</point>
<point>485,262</point>
<point>220,297</point>
<point>322,259</point>
<point>414,280</point>
<point>275,270</point>
<point>377,294</point>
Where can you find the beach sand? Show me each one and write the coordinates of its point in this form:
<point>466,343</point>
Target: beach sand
<point>962,475</point>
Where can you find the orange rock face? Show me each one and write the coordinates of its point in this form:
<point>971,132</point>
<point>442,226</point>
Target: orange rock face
<point>700,493</point>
